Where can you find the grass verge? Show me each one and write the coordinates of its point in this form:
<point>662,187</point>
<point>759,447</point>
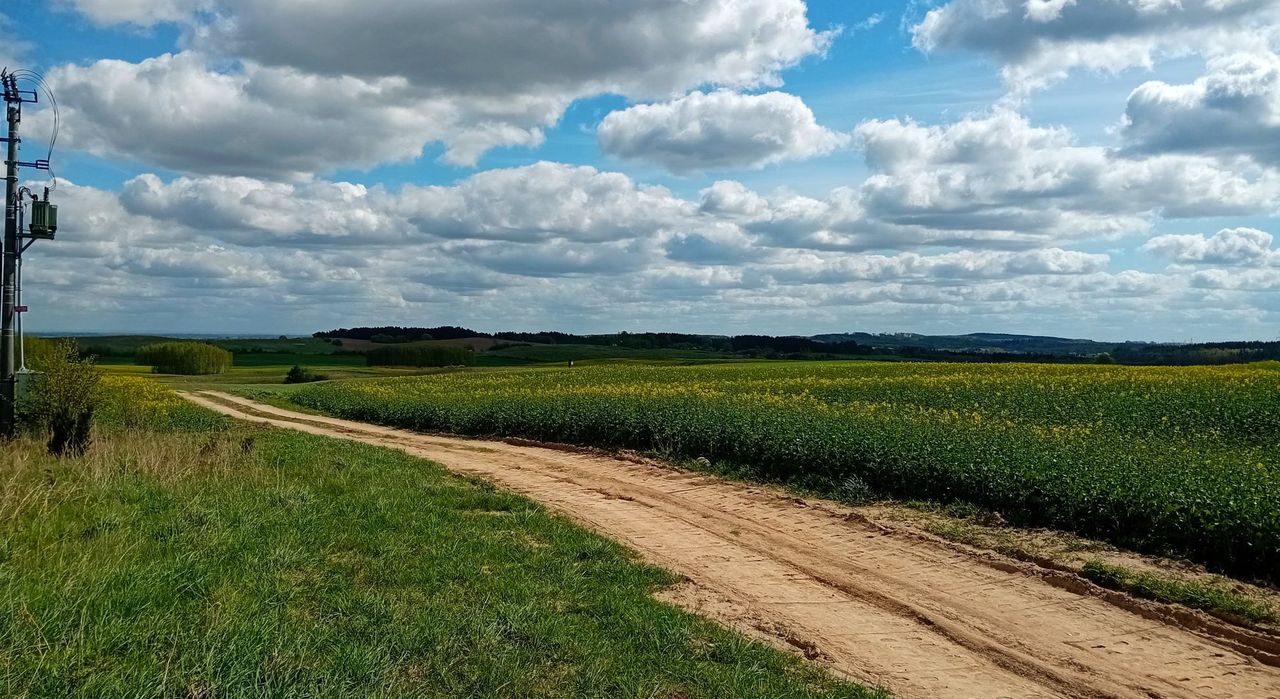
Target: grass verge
<point>202,558</point>
<point>1162,580</point>
<point>1211,597</point>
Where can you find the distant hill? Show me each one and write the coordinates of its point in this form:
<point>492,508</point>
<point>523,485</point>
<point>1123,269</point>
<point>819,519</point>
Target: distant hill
<point>972,347</point>
<point>979,342</point>
<point>508,348</point>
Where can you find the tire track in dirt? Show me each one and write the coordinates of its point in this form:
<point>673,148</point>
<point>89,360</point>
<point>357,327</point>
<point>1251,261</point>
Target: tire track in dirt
<point>887,607</point>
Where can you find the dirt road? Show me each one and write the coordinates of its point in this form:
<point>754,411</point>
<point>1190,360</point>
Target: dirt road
<point>889,607</point>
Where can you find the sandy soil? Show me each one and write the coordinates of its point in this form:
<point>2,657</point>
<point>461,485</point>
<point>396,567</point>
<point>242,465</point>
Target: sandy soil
<point>889,607</point>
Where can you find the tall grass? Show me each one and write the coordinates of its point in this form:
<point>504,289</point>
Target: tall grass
<point>188,358</point>
<point>421,356</point>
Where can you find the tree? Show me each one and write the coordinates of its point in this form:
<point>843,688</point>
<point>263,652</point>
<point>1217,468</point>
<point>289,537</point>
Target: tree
<point>63,395</point>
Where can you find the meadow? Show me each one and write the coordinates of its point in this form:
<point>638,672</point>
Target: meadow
<point>188,555</point>
<point>1182,461</point>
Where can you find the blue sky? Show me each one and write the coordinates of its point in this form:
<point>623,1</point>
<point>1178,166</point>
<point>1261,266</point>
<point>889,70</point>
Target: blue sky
<point>1094,168</point>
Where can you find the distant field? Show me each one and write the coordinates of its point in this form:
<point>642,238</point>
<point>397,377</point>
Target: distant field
<point>255,361</point>
<point>189,556</point>
<point>106,346</point>
<point>512,355</point>
<point>339,360</point>
<point>1179,461</point>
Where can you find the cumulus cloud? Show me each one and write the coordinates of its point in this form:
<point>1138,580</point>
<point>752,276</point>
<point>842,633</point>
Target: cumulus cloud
<point>557,257</point>
<point>1246,247</point>
<point>177,112</point>
<point>1234,110</point>
<point>313,87</point>
<point>251,212</point>
<point>1037,41</point>
<point>594,243</point>
<point>543,201</point>
<point>722,129</point>
<point>495,47</point>
<point>538,202</point>
<point>1254,280</point>
<point>1001,175</point>
<point>808,268</point>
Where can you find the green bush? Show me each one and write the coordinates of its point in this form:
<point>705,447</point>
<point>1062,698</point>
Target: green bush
<point>301,374</point>
<point>421,356</point>
<point>62,396</point>
<point>189,358</point>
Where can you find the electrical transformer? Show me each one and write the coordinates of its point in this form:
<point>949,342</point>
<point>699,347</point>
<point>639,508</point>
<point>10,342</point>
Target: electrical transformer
<point>44,220</point>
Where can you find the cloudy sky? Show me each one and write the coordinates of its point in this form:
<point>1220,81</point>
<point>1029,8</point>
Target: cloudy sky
<point>1095,168</point>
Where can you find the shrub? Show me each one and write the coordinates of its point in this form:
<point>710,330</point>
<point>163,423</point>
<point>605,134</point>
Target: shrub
<point>421,356</point>
<point>63,395</point>
<point>301,374</point>
<point>189,358</point>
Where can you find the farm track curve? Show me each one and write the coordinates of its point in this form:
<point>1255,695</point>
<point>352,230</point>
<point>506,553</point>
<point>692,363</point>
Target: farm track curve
<point>888,607</point>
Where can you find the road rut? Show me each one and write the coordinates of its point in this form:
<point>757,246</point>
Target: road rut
<point>888,607</point>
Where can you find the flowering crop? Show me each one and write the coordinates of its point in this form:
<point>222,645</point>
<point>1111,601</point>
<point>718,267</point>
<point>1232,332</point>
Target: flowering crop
<point>1182,461</point>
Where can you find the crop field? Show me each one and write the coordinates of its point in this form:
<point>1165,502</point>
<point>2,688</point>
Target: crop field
<point>1172,461</point>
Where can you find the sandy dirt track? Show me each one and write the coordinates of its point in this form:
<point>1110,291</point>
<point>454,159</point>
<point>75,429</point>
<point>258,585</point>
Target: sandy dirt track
<point>883,606</point>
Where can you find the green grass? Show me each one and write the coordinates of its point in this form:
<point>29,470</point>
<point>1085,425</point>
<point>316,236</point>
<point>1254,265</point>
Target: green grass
<point>1178,461</point>
<point>264,374</point>
<point>1219,598</point>
<point>288,359</point>
<point>237,561</point>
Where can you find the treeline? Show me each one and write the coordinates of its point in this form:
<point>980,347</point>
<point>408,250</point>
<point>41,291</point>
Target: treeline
<point>762,344</point>
<point>1013,349</point>
<point>420,356</point>
<point>1202,353</point>
<point>395,333</point>
<point>187,358</point>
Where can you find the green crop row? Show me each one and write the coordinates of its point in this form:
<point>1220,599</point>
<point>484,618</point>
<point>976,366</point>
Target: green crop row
<point>1175,461</point>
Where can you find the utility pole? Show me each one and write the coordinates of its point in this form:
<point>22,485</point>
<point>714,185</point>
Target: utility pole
<point>8,274</point>
<point>14,99</point>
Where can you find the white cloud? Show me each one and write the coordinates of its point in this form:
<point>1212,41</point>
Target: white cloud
<point>300,87</point>
<point>1255,280</point>
<point>543,201</point>
<point>997,177</point>
<point>1247,247</point>
<point>494,47</point>
<point>810,268</point>
<point>249,212</point>
<point>1233,110</point>
<point>140,12</point>
<point>1038,41</point>
<point>560,238</point>
<point>719,130</point>
<point>176,112</point>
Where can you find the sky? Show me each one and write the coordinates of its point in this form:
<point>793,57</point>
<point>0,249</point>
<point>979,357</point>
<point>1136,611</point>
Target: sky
<point>1086,168</point>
